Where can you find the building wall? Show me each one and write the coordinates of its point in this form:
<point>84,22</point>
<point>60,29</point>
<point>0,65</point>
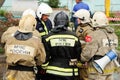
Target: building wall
<point>21,5</point>
<point>95,5</point>
<point>98,5</point>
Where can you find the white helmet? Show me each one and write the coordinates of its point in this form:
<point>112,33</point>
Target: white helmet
<point>99,19</point>
<point>44,9</point>
<point>29,12</point>
<point>27,24</point>
<point>83,14</point>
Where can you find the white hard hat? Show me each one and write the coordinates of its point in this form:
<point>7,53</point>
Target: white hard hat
<point>83,14</point>
<point>44,9</point>
<point>29,12</point>
<point>99,19</point>
<point>27,24</point>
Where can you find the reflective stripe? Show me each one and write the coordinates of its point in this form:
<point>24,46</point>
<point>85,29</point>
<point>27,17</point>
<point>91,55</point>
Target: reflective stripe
<point>106,71</point>
<point>62,36</point>
<point>62,42</point>
<point>62,69</point>
<point>44,66</point>
<point>45,27</point>
<point>42,33</point>
<point>61,73</point>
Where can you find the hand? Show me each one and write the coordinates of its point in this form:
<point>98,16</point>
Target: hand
<point>85,65</point>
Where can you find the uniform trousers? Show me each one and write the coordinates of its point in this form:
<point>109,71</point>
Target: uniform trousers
<point>100,77</point>
<point>57,77</point>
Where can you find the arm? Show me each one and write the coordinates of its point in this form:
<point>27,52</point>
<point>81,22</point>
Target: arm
<point>89,50</point>
<point>41,55</point>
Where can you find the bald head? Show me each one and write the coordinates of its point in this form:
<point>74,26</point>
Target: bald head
<point>77,1</point>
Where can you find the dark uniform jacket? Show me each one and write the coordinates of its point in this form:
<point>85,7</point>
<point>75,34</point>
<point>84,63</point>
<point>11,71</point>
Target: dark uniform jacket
<point>43,27</point>
<point>62,47</point>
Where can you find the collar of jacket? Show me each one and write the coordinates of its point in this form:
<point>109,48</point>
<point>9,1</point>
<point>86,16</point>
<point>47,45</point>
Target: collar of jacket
<point>22,36</point>
<point>107,28</point>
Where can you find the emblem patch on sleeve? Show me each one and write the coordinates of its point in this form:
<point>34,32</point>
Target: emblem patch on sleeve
<point>88,38</point>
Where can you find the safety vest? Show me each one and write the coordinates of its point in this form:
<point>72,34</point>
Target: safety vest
<point>46,31</point>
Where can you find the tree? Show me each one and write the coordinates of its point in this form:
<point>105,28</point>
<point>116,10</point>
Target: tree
<point>54,3</point>
<point>1,3</point>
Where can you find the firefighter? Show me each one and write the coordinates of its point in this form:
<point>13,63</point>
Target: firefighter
<point>44,25</point>
<point>79,5</point>
<point>62,50</point>
<point>23,50</point>
<point>32,12</point>
<point>98,44</point>
<point>85,24</point>
<point>13,29</point>
<point>83,29</point>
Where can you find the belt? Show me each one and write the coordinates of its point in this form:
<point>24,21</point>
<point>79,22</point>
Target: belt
<point>20,68</point>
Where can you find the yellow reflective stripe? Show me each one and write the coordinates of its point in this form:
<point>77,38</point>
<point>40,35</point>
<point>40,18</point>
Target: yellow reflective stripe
<point>105,71</point>
<point>45,27</point>
<point>46,64</point>
<point>61,73</point>
<point>42,33</point>
<point>63,36</point>
<point>62,69</point>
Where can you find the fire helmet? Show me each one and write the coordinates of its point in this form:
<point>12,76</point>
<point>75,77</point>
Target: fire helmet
<point>30,12</point>
<point>61,18</point>
<point>83,15</point>
<point>99,19</point>
<point>44,9</point>
<point>27,24</point>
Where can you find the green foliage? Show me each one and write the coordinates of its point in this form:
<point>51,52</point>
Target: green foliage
<point>40,1</point>
<point>1,50</point>
<point>116,28</point>
<point>117,31</point>
<point>2,12</point>
<point>54,3</point>
<point>112,14</point>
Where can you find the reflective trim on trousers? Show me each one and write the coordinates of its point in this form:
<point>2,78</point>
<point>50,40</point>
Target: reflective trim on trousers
<point>62,71</point>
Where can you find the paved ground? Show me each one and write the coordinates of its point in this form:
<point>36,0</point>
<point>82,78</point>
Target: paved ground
<point>117,76</point>
<point>2,70</point>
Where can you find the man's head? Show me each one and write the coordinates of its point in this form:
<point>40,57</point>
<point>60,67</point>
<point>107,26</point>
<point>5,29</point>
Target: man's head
<point>77,1</point>
<point>43,11</point>
<point>61,18</point>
